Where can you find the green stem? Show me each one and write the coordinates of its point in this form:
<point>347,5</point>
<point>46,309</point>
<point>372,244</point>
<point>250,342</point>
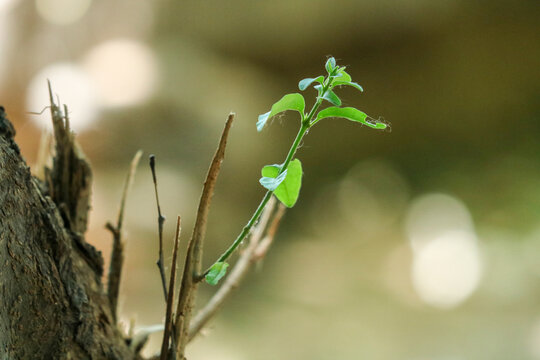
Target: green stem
<point>294,147</point>
<point>306,124</point>
<point>266,198</point>
<point>246,228</point>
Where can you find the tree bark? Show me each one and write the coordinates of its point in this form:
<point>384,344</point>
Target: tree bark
<point>52,302</point>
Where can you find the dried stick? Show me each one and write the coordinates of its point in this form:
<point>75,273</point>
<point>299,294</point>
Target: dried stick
<point>170,298</point>
<point>193,264</point>
<point>264,244</point>
<point>247,258</point>
<point>161,220</point>
<point>117,254</point>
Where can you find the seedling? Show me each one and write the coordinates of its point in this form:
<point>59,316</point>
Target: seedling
<point>284,180</point>
<point>70,195</point>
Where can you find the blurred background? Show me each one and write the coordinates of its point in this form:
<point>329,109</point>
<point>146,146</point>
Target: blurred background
<point>419,243</point>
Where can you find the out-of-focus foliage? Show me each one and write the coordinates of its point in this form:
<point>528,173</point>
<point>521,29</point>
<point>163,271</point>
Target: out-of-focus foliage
<point>419,243</point>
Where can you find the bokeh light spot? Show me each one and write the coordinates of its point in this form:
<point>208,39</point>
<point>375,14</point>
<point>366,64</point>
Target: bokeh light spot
<point>7,4</point>
<point>124,71</point>
<point>447,264</point>
<point>433,214</point>
<point>74,88</point>
<point>534,340</point>
<point>447,270</point>
<point>62,12</point>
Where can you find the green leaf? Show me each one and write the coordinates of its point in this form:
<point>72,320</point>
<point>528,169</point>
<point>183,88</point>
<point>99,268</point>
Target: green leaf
<point>349,83</point>
<point>303,84</point>
<point>287,192</point>
<point>344,77</point>
<point>330,64</point>
<point>331,96</point>
<point>349,113</point>
<point>217,271</point>
<point>288,102</point>
<point>271,183</point>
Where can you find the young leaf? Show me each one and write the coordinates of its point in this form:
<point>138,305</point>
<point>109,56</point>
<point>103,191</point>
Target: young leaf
<point>331,96</point>
<point>303,84</point>
<point>287,192</point>
<point>318,87</point>
<point>330,64</point>
<point>349,113</point>
<point>217,271</point>
<point>288,102</point>
<point>343,77</point>
<point>271,183</point>
<point>349,83</point>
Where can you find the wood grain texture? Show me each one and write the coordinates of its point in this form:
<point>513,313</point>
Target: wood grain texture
<point>52,303</point>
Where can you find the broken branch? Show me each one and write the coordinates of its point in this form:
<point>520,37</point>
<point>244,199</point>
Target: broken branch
<point>117,254</point>
<point>193,264</point>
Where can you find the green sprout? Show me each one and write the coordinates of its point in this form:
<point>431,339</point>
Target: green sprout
<point>284,180</point>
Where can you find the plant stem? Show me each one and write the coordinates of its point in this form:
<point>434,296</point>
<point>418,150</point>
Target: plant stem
<point>267,196</point>
<point>306,124</point>
<point>246,229</point>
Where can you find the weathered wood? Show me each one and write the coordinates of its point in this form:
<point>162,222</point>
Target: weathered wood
<point>52,303</point>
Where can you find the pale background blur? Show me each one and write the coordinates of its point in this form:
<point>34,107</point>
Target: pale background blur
<point>422,243</point>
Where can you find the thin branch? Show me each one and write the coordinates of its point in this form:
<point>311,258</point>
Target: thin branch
<point>264,244</point>
<point>161,221</point>
<point>247,258</point>
<point>193,264</point>
<point>199,231</point>
<point>127,186</point>
<point>170,298</point>
<point>117,254</point>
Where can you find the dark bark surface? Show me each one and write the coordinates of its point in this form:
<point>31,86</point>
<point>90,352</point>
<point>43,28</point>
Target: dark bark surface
<point>52,301</point>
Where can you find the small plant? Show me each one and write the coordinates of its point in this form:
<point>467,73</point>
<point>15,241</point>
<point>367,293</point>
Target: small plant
<point>284,180</point>
<point>62,198</point>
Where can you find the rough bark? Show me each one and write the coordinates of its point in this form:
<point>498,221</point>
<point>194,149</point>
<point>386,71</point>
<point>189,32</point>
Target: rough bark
<point>52,303</point>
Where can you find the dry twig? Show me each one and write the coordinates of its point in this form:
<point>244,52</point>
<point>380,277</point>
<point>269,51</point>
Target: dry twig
<point>264,244</point>
<point>117,254</point>
<point>170,298</point>
<point>161,221</point>
<point>193,263</point>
